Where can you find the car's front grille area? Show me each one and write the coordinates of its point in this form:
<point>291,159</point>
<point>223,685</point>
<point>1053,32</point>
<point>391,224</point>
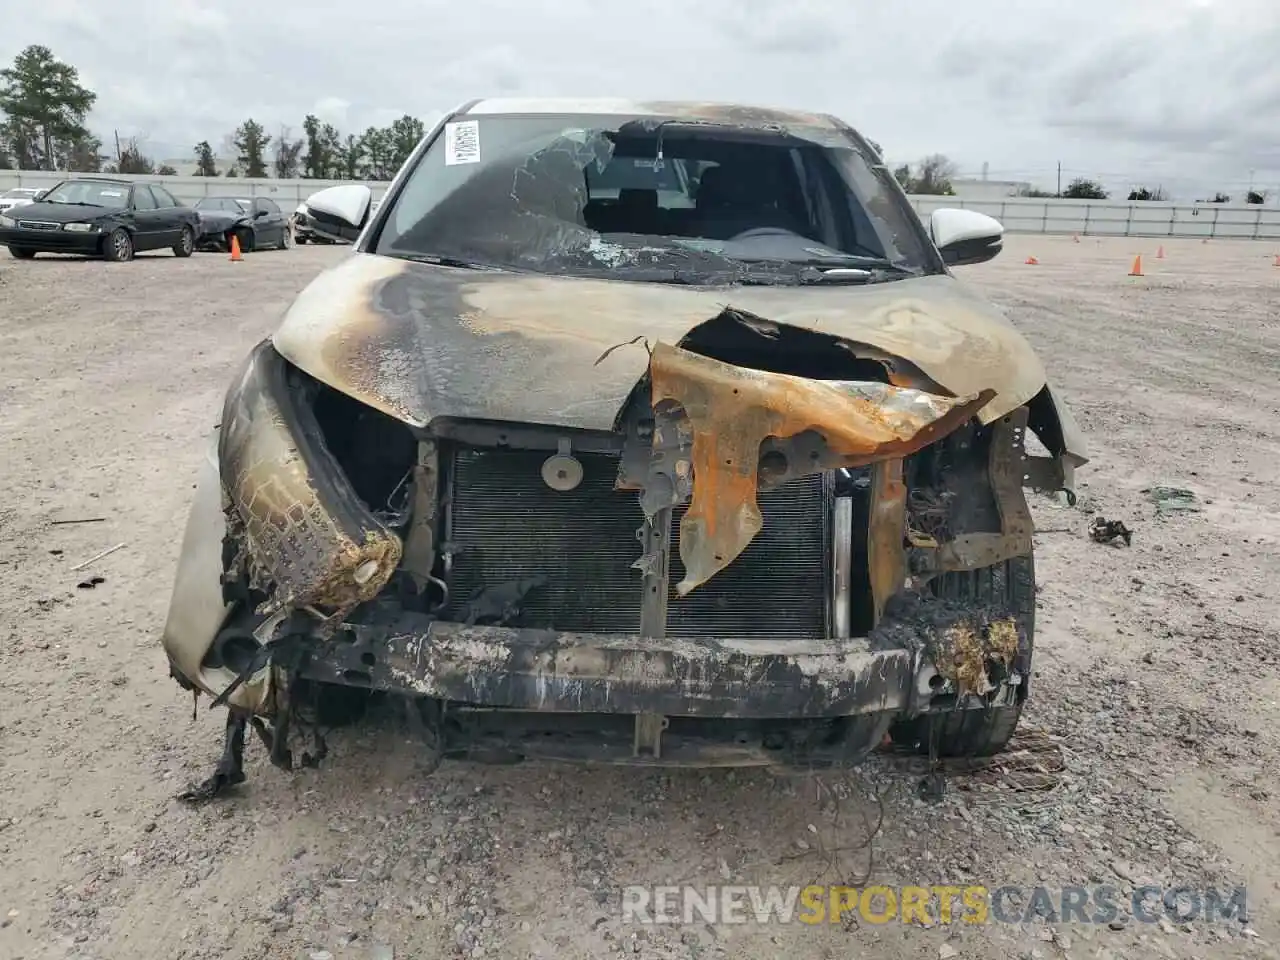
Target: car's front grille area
<point>505,524</point>
<point>509,525</point>
<point>42,225</point>
<point>778,586</point>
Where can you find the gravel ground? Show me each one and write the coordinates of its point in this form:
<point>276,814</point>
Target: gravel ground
<point>1157,672</point>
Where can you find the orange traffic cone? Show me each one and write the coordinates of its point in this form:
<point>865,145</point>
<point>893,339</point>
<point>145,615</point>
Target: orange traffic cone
<point>1160,253</point>
<point>1032,260</point>
<point>1137,267</point>
<point>235,249</point>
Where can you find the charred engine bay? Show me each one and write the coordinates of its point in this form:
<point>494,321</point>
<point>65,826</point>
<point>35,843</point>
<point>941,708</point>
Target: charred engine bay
<point>756,489</point>
<point>459,503</point>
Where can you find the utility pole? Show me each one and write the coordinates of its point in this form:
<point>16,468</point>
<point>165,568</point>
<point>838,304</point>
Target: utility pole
<point>117,136</point>
<point>1059,193</point>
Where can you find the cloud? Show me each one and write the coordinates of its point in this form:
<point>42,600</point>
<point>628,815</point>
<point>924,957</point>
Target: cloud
<point>1188,90</point>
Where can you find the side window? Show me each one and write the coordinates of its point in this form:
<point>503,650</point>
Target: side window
<point>270,207</point>
<point>142,199</point>
<point>163,197</point>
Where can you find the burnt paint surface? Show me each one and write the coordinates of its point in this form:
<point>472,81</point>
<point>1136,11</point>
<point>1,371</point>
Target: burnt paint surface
<point>703,111</point>
<point>419,341</point>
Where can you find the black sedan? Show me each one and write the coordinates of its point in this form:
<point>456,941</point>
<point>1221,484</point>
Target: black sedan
<point>100,217</point>
<point>257,222</point>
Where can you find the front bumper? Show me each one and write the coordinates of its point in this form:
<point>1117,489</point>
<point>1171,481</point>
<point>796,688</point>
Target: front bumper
<point>551,671</point>
<point>52,241</point>
<point>302,228</point>
<point>497,693</point>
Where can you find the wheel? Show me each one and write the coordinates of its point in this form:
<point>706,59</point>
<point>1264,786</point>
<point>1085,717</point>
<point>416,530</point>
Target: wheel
<point>118,246</point>
<point>286,239</point>
<point>22,253</point>
<point>979,733</point>
<point>299,239</point>
<point>186,243</point>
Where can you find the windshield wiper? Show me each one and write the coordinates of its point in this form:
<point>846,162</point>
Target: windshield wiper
<point>438,261</point>
<point>854,263</point>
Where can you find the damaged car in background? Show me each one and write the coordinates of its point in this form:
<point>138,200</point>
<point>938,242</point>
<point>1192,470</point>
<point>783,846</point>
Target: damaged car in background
<point>255,222</point>
<point>629,432</point>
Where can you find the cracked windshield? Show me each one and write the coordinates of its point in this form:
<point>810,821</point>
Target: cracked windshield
<point>656,201</point>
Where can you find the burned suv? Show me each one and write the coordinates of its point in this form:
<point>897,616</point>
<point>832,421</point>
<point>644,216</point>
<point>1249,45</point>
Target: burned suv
<point>630,432</point>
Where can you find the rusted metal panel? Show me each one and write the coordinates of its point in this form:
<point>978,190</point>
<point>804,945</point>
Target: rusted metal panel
<point>969,551</point>
<point>733,410</point>
<point>886,559</point>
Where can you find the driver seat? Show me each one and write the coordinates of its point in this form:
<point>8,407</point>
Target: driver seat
<point>731,200</point>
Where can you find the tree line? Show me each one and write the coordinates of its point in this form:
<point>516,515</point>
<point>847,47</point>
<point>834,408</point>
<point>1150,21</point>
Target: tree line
<point>44,126</point>
<point>1083,188</point>
<point>45,111</point>
<point>321,153</point>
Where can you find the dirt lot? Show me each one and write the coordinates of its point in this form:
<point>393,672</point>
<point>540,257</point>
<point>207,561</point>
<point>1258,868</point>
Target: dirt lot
<point>1157,672</point>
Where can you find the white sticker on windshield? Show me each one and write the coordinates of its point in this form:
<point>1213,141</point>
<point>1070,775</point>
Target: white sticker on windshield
<point>110,193</point>
<point>462,142</point>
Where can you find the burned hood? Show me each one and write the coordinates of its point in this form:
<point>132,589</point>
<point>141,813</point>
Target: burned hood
<point>419,341</point>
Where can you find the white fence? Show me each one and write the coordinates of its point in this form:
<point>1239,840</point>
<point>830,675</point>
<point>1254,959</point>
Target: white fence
<point>1121,218</point>
<point>1095,218</point>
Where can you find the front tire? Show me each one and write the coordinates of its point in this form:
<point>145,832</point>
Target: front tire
<point>286,239</point>
<point>979,732</point>
<point>186,243</point>
<point>118,246</point>
<point>22,253</point>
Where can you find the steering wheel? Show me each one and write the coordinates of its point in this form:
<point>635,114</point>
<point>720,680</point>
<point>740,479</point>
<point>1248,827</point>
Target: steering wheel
<point>784,232</point>
<point>762,232</point>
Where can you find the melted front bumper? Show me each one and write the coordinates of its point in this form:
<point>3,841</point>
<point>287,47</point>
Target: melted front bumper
<point>550,671</point>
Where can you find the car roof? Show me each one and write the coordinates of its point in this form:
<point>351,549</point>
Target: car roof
<point>736,113</point>
<point>103,180</point>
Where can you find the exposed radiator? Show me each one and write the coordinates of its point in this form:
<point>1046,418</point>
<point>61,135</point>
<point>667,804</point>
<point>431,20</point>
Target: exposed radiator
<point>506,524</point>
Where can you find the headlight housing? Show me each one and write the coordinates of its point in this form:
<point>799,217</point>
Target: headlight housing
<point>8,222</point>
<point>306,529</point>
<point>80,227</point>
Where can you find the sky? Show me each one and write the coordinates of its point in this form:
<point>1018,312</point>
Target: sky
<point>1179,93</point>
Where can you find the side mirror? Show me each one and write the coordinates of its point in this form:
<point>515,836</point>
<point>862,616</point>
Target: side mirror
<point>259,214</point>
<point>965,236</point>
<point>339,213</point>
